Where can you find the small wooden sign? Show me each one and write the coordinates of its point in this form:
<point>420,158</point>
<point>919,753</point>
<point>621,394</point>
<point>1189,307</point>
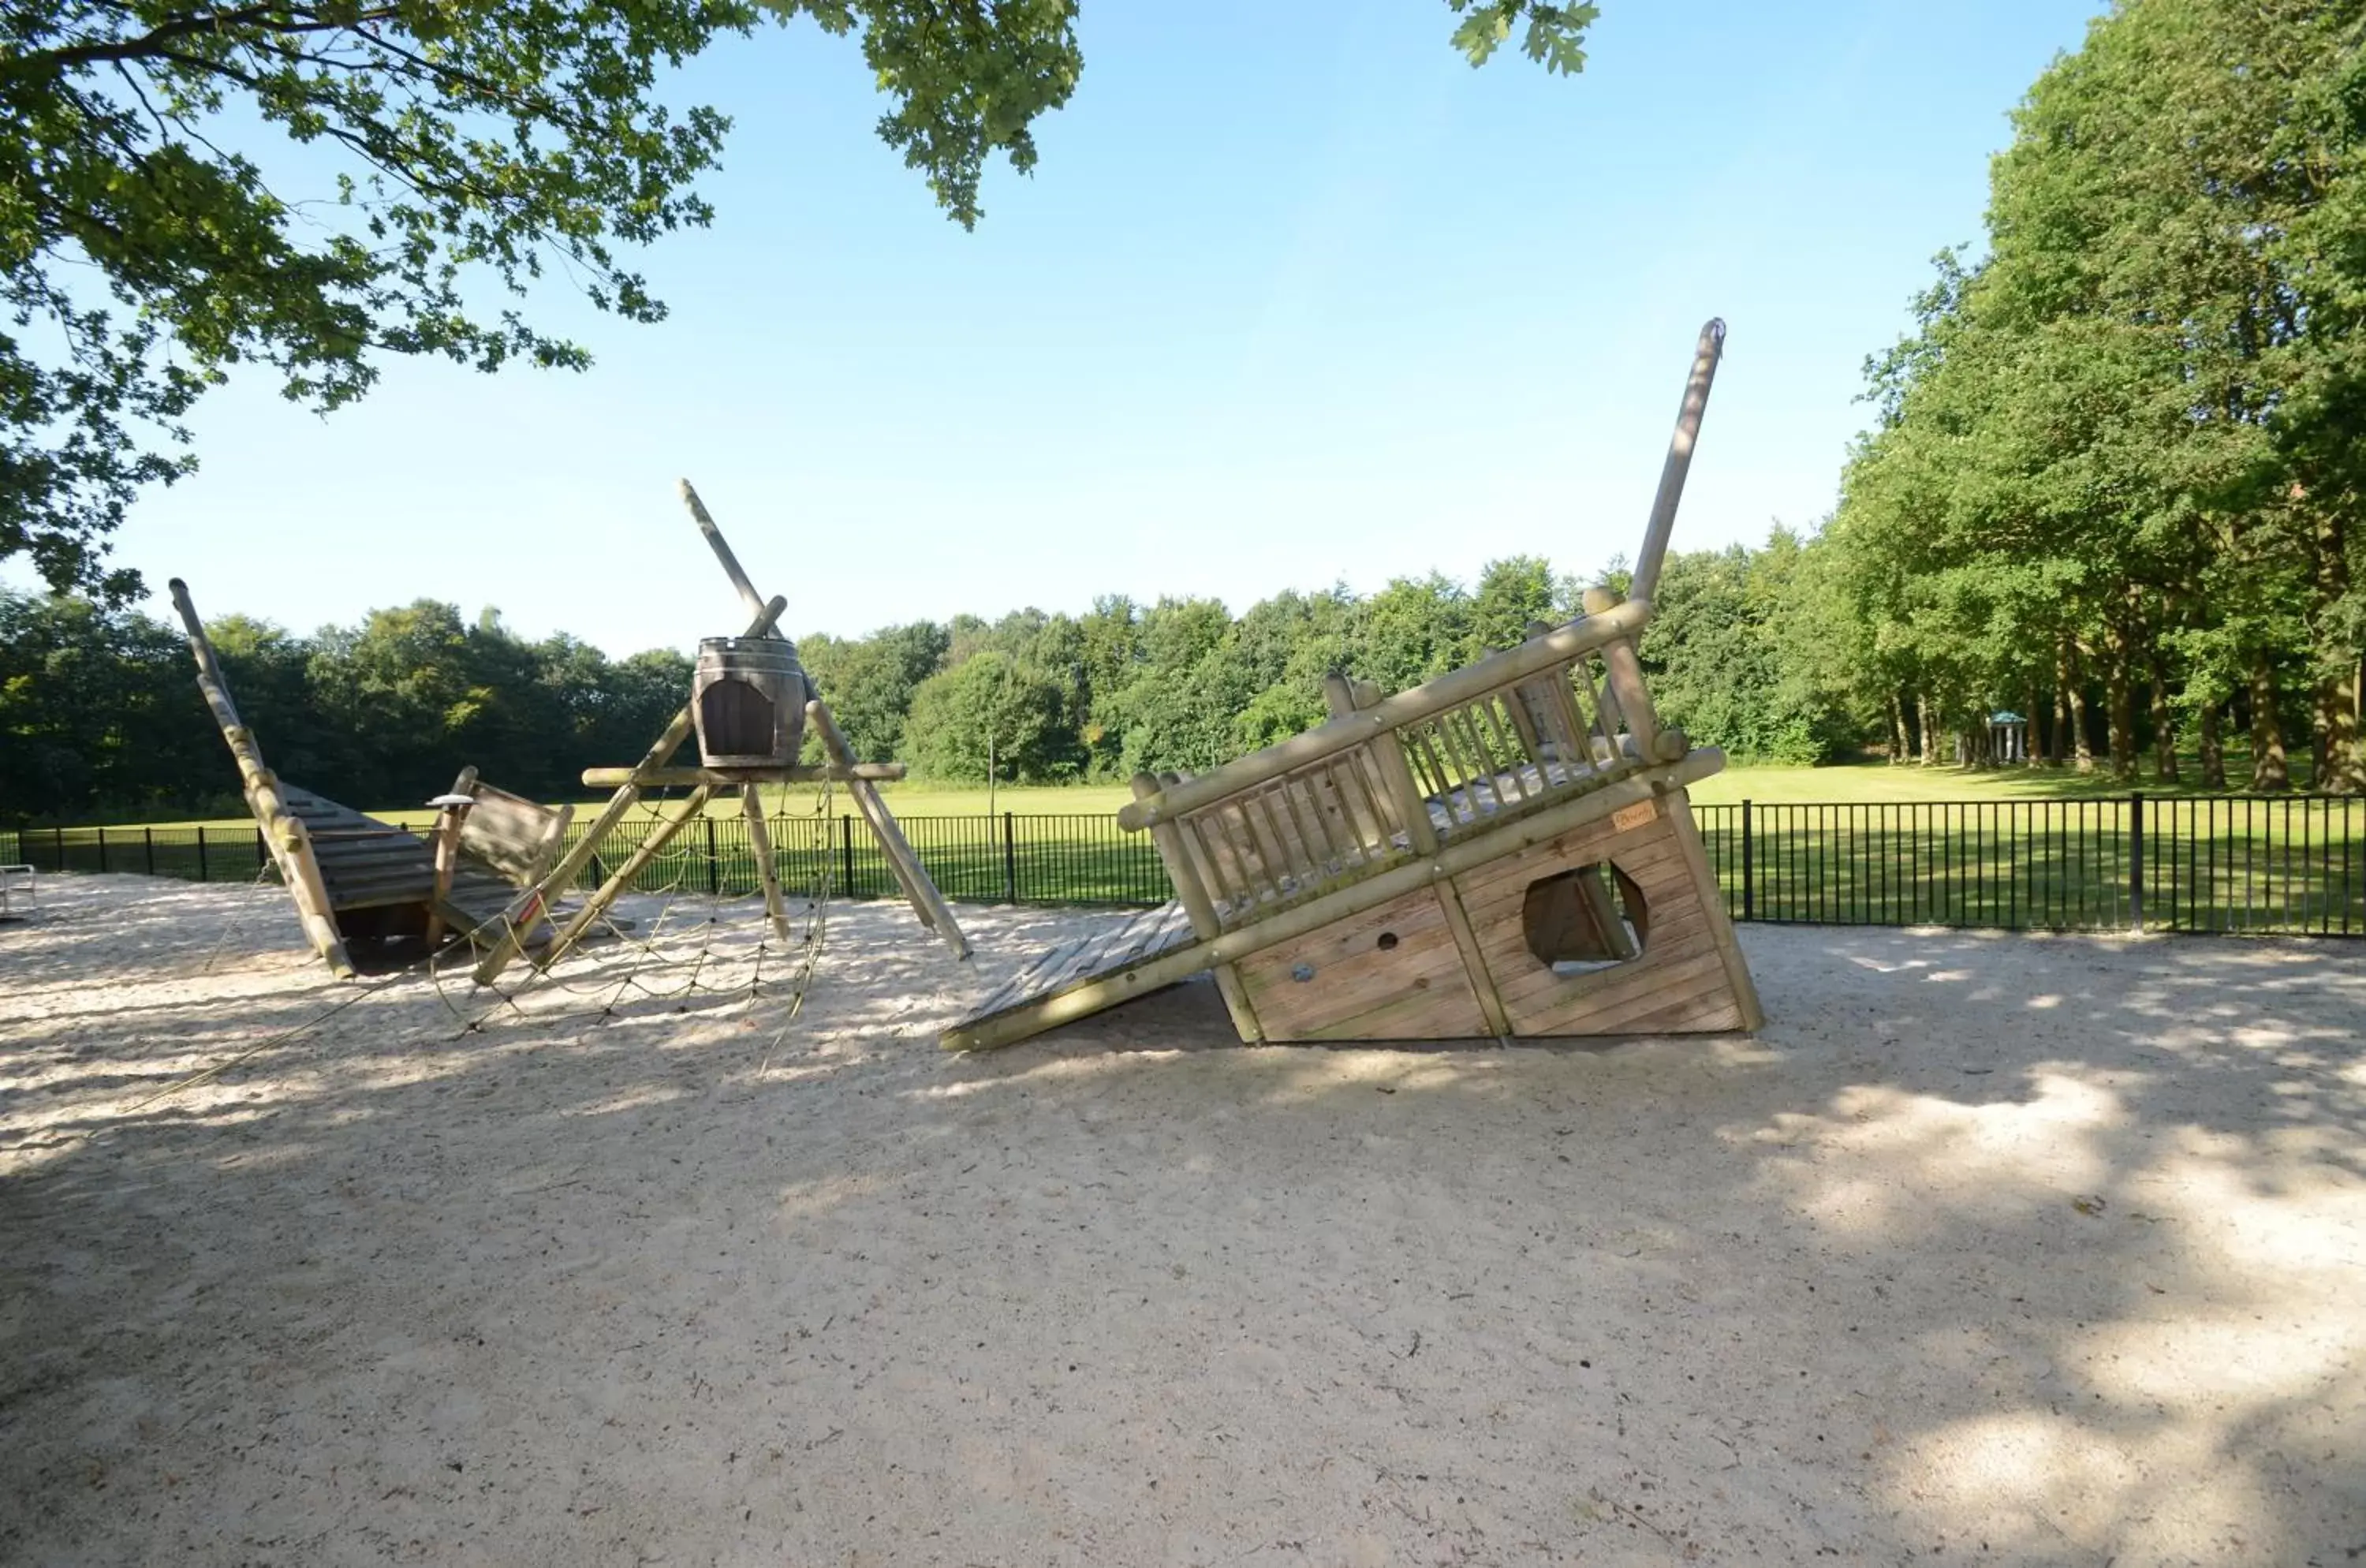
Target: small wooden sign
<point>1639,815</point>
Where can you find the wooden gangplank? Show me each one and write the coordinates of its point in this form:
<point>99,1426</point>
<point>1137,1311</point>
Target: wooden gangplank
<point>1079,970</point>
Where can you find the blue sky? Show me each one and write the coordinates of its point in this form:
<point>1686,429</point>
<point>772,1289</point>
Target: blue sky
<point>1295,297</point>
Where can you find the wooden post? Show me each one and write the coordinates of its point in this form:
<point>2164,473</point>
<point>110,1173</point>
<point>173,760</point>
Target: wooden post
<point>731,568</point>
<point>1646,581</point>
<point>1623,668</point>
<point>447,853</point>
<point>927,902</point>
<point>759,838</point>
<point>530,905</point>
<point>1193,893</point>
<point>283,836</point>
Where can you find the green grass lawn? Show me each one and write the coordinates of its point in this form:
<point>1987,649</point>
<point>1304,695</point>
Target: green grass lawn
<point>1868,843</point>
<point>1849,783</point>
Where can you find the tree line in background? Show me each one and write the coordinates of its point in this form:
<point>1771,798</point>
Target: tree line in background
<point>2114,485</point>
<point>100,713</point>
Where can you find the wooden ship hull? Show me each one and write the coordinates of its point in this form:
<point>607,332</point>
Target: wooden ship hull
<point>1504,852</point>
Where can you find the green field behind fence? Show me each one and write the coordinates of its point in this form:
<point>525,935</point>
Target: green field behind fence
<point>2287,864</point>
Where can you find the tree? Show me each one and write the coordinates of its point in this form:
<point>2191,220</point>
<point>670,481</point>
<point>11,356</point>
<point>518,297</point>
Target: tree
<point>870,682</point>
<point>2127,438</point>
<point>150,243</point>
<point>989,717</point>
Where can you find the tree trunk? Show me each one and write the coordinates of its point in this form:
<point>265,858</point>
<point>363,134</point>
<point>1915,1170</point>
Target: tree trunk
<point>2030,732</point>
<point>2214,752</point>
<point>2270,773</point>
<point>2120,694</point>
<point>2164,724</point>
<point>2343,769</point>
<point>2082,748</point>
<point>2058,747</point>
<point>1902,744</point>
<point>1930,731</point>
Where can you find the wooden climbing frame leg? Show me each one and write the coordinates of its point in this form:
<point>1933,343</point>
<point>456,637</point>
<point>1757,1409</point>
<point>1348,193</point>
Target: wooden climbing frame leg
<point>927,902</point>
<point>767,871</point>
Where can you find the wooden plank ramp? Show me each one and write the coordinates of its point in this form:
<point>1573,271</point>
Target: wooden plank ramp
<point>1071,967</point>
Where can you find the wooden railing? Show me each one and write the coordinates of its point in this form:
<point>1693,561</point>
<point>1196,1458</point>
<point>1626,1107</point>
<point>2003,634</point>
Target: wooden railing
<point>1392,777</point>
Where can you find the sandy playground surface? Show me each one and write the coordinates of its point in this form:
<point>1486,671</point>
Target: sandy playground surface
<point>1989,1247</point>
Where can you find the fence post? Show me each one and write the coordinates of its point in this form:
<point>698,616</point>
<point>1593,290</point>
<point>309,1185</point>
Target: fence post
<point>102,851</point>
<point>1749,870</point>
<point>846,853</point>
<point>203,874</point>
<point>1009,863</point>
<point>2135,860</point>
<point>147,847</point>
<point>714,866</point>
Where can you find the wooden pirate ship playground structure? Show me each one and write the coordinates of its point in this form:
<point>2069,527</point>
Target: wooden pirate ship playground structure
<point>496,867</point>
<point>1506,851</point>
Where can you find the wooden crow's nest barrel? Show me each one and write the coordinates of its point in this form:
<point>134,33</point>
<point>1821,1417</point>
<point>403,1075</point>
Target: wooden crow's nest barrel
<point>749,701</point>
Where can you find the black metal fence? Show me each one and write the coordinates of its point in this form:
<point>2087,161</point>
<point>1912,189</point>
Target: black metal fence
<point>1005,859</point>
<point>2262,864</point>
<point>2267,863</point>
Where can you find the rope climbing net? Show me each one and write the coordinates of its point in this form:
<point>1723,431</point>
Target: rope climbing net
<point>719,952</point>
<point>656,954</point>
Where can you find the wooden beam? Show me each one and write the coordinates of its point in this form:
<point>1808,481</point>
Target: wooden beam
<point>607,893</point>
<point>1721,927</point>
<point>1451,690</point>
<point>1706,354</point>
<point>447,853</point>
<point>759,839</point>
<point>927,902</point>
<point>537,898</point>
<point>749,597</point>
<point>290,847</point>
<point>731,778</point>
<point>1451,861</point>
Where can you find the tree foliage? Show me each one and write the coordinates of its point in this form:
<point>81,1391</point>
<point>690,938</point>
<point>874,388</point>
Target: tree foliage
<point>311,185</point>
<point>2118,464</point>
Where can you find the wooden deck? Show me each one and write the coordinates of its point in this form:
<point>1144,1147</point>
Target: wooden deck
<point>367,864</point>
<point>1111,952</point>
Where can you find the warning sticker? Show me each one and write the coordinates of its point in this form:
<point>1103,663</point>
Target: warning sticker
<point>1634,815</point>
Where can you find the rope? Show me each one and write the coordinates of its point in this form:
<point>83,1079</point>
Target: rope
<point>233,922</point>
<point>811,943</point>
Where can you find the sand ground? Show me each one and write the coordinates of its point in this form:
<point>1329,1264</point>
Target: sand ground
<point>2007,1248</point>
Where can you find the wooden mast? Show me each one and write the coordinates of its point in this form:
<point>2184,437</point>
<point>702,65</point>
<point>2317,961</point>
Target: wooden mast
<point>1646,580</point>
<point>925,901</point>
<point>283,837</point>
<point>536,901</point>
